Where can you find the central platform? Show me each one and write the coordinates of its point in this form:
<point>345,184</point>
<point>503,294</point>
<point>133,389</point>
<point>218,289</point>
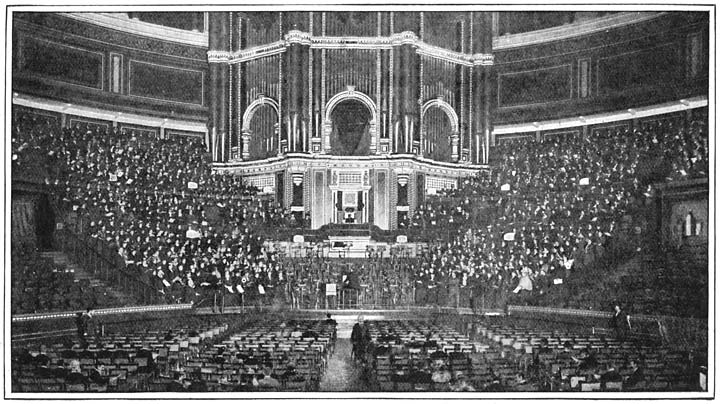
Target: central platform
<point>346,247</point>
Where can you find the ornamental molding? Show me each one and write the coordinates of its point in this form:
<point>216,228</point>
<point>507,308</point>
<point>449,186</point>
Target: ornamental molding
<point>573,30</point>
<point>351,94</point>
<point>298,37</point>
<point>245,55</point>
<point>84,111</point>
<point>295,37</point>
<point>483,59</point>
<point>446,108</point>
<point>603,118</point>
<point>252,108</point>
<point>299,162</point>
<point>121,22</point>
<point>215,56</point>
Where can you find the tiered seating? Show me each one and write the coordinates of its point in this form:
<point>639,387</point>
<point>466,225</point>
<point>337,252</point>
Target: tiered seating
<point>40,285</point>
<point>170,222</point>
<point>559,212</point>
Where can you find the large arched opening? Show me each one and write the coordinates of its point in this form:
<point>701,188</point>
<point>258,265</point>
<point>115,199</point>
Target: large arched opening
<point>260,123</point>
<point>440,124</point>
<point>351,123</point>
<point>438,129</point>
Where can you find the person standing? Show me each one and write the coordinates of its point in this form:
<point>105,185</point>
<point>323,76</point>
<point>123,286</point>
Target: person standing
<point>81,322</point>
<point>620,323</point>
<point>329,320</point>
<point>360,338</point>
<point>352,283</point>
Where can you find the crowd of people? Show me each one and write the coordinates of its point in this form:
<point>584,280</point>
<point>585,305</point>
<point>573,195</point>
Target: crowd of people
<point>551,208</point>
<point>38,285</point>
<point>172,221</point>
<point>543,217</point>
<point>375,281</point>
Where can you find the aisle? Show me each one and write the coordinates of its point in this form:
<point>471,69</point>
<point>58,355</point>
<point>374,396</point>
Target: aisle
<point>341,373</point>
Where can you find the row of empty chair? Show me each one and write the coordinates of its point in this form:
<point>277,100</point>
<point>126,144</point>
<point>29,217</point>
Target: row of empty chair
<point>421,356</point>
<point>114,362</point>
<point>201,355</point>
<point>508,355</point>
<point>294,353</point>
<point>574,359</point>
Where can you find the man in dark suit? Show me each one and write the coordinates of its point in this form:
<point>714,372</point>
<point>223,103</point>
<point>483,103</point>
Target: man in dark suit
<point>360,338</point>
<point>329,320</point>
<point>351,287</point>
<point>620,322</point>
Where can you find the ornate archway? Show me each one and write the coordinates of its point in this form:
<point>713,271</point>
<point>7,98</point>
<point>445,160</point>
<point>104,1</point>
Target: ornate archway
<point>250,110</point>
<point>350,94</point>
<point>429,117</point>
<point>447,108</point>
<point>247,119</point>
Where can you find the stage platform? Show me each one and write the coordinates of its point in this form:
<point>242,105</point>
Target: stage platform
<point>346,247</point>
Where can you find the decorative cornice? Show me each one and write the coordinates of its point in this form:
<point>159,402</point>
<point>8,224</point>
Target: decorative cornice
<point>572,30</point>
<point>610,117</point>
<point>261,51</point>
<point>121,22</point>
<point>298,37</point>
<point>216,56</point>
<point>351,42</point>
<point>106,115</point>
<point>245,55</point>
<point>58,25</point>
<point>299,162</point>
<point>483,59</point>
<point>444,54</point>
<point>405,38</point>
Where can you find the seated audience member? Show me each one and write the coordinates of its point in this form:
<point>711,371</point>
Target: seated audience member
<point>495,384</point>
<point>460,382</point>
<point>268,382</point>
<point>329,320</point>
<point>429,342</point>
<point>521,384</point>
<point>637,377</point>
<point>587,360</point>
<point>611,374</point>
<point>420,375</point>
<point>440,373</point>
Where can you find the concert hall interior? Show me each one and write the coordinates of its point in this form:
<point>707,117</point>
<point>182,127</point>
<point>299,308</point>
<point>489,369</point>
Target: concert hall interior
<point>360,199</point>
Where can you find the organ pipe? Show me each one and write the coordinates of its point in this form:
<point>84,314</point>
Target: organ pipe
<point>302,82</point>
